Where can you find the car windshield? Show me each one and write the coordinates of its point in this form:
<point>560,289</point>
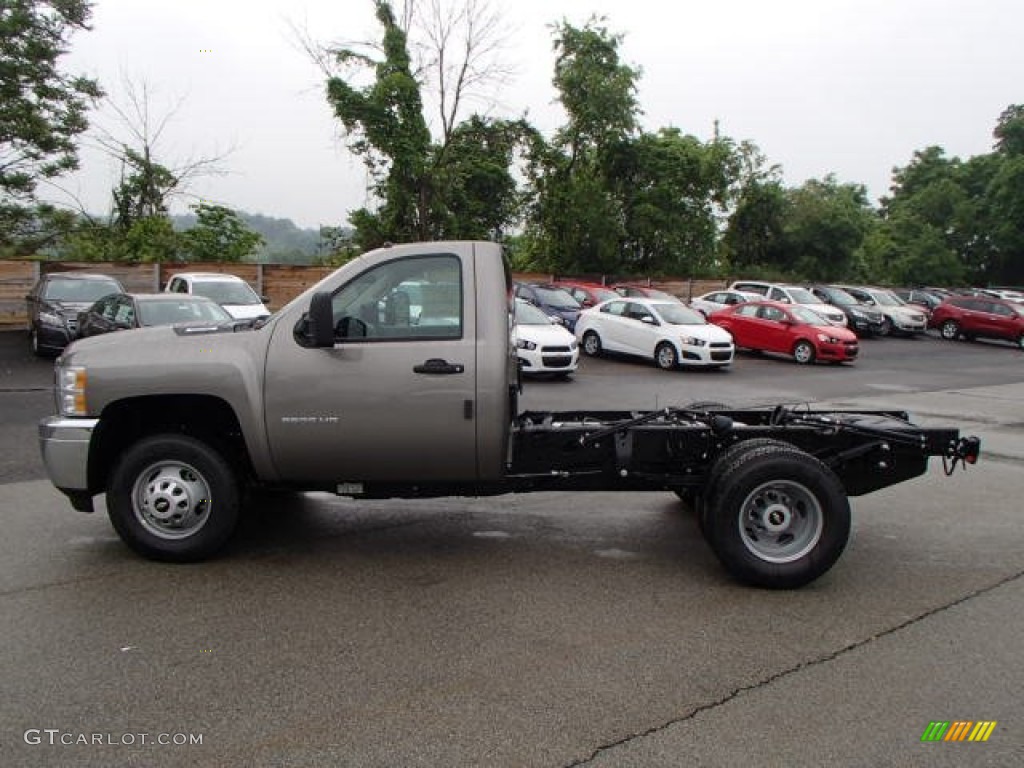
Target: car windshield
<point>654,293</point>
<point>556,297</point>
<point>886,299</point>
<point>79,290</point>
<point>675,313</point>
<point>1018,308</point>
<point>839,296</point>
<point>809,316</point>
<point>803,296</point>
<point>168,312</point>
<point>527,314</point>
<point>226,292</point>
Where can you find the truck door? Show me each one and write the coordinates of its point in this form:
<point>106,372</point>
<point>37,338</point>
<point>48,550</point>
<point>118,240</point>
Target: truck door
<point>395,398</point>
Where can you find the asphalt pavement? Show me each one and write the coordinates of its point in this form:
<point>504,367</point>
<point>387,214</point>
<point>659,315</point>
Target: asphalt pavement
<point>533,630</point>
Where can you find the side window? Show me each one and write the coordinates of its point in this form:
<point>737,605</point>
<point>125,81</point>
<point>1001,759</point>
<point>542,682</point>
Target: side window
<point>1002,310</point>
<point>748,310</point>
<point>413,298</point>
<point>638,312</point>
<point>772,313</point>
<point>107,308</point>
<point>124,312</point>
<point>777,294</point>
<point>617,308</point>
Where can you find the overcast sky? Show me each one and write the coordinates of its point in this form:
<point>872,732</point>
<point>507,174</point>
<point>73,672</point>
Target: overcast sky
<point>851,87</point>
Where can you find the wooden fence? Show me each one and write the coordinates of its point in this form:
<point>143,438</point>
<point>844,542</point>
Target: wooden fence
<point>280,283</point>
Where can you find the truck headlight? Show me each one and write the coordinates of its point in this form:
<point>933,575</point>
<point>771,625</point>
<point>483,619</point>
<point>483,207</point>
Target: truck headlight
<point>70,391</point>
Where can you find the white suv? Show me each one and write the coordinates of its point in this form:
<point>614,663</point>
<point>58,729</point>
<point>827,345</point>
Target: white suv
<point>792,294</point>
<point>230,291</point>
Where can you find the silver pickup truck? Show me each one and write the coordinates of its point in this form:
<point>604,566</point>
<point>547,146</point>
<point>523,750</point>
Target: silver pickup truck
<point>396,376</point>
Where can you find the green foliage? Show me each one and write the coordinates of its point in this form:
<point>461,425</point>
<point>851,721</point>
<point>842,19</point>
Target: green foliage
<point>753,239</point>
<point>219,235</point>
<point>143,190</point>
<point>42,109</point>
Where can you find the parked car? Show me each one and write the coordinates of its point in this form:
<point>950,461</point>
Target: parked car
<point>542,345</point>
<point>633,290</point>
<point>230,291</point>
<point>905,319</point>
<point>54,303</point>
<point>972,317</point>
<point>587,294</point>
<point>918,297</point>
<point>860,318</point>
<point>122,311</point>
<point>788,329</point>
<point>668,332</point>
<point>792,294</point>
<point>716,300</point>
<point>554,301</point>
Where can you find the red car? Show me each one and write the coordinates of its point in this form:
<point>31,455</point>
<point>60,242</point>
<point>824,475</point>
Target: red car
<point>972,316</point>
<point>788,329</point>
<point>587,294</point>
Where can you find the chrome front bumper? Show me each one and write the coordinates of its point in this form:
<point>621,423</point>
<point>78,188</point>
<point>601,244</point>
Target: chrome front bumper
<point>65,446</point>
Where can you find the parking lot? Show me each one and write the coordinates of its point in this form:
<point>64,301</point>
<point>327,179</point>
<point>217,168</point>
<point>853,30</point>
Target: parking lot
<point>536,630</point>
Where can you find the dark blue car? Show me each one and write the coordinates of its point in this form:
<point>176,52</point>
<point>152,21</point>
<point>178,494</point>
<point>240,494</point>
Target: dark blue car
<point>553,301</point>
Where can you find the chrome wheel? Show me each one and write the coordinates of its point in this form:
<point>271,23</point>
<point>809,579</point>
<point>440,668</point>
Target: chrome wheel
<point>803,352</point>
<point>665,356</point>
<point>591,343</point>
<point>950,330</point>
<point>171,500</point>
<point>781,521</point>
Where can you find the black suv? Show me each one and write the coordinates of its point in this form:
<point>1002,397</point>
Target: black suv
<point>54,303</point>
<point>860,318</point>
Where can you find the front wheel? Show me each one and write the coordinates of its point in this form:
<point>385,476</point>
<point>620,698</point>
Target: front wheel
<point>950,330</point>
<point>803,352</point>
<point>666,357</point>
<point>591,344</point>
<point>779,518</point>
<point>173,498</point>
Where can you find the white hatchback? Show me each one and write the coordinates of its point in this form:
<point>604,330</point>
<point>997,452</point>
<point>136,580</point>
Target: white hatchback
<point>542,344</point>
<point>669,333</point>
<point>230,291</point>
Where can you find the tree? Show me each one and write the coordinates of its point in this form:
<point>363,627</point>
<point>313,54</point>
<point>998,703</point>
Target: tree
<point>219,235</point>
<point>42,109</point>
<point>425,189</point>
<point>577,223</point>
<point>824,226</point>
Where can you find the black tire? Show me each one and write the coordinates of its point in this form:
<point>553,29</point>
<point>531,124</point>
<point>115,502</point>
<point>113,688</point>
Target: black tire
<point>33,339</point>
<point>591,344</point>
<point>781,521</point>
<point>949,330</point>
<point>666,357</point>
<point>173,498</point>
<point>803,352</point>
<point>885,328</point>
<point>721,467</point>
<point>1020,342</point>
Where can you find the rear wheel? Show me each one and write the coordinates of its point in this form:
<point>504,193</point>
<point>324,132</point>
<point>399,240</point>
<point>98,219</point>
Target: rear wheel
<point>665,356</point>
<point>950,330</point>
<point>173,498</point>
<point>803,352</point>
<point>780,520</point>
<point>592,343</point>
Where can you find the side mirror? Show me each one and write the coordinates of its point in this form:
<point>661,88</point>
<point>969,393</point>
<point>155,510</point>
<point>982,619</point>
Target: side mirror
<point>321,321</point>
<point>647,320</point>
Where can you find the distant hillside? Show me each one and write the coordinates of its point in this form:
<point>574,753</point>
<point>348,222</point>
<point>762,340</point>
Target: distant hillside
<point>285,242</point>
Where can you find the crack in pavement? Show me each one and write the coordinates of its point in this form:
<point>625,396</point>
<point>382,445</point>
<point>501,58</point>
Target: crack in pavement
<point>737,692</point>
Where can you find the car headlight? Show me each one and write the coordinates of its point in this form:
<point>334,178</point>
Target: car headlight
<point>826,339</point>
<point>70,390</point>
<point>524,344</point>
<point>857,313</point>
<point>51,318</point>
<point>572,345</point>
<point>692,341</point>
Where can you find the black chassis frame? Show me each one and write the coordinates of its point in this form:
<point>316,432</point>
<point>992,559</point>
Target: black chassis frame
<point>674,449</point>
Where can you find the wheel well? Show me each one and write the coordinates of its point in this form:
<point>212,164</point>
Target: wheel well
<point>125,422</point>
